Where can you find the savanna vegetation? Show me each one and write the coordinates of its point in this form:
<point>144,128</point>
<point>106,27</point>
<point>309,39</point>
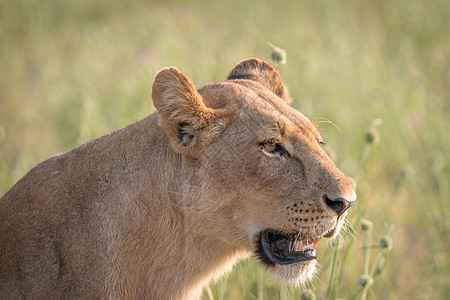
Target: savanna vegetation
<point>374,76</point>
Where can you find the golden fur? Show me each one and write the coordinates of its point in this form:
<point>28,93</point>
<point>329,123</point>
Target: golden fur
<point>159,208</point>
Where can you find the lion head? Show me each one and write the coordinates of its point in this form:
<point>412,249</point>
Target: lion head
<point>256,175</point>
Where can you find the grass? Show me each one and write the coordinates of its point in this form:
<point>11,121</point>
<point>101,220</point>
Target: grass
<point>74,70</point>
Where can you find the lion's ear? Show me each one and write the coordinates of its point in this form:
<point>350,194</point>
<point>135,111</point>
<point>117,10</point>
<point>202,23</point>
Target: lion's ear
<point>183,115</point>
<point>262,72</point>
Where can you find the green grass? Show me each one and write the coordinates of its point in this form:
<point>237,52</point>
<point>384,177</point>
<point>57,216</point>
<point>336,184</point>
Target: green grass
<point>74,70</point>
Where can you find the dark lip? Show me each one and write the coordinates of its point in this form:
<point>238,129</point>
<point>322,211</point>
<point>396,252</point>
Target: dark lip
<point>274,248</point>
<point>329,233</point>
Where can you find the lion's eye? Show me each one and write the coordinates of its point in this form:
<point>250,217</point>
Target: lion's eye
<point>270,147</point>
<point>273,148</point>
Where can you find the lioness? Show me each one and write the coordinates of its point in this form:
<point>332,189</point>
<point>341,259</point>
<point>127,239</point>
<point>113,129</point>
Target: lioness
<point>159,208</point>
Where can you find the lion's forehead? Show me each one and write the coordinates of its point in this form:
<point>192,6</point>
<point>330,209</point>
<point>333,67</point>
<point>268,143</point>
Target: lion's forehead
<point>297,119</point>
<point>252,100</point>
<point>277,112</point>
<point>249,95</point>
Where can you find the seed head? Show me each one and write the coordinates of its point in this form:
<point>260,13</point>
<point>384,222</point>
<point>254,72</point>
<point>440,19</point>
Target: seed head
<point>278,55</point>
<point>365,280</point>
<point>308,295</point>
<point>366,225</point>
<point>386,242</point>
<point>372,136</point>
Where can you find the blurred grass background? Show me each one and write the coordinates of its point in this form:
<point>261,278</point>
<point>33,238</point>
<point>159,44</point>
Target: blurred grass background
<point>71,71</point>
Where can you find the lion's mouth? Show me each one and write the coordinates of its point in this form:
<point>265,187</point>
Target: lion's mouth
<point>275,247</point>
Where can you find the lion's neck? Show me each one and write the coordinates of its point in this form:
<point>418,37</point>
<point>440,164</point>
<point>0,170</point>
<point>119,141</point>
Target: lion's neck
<point>202,263</point>
<point>180,253</point>
<point>199,255</point>
<point>184,260</point>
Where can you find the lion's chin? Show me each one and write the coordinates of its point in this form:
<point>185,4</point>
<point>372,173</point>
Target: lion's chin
<point>296,273</point>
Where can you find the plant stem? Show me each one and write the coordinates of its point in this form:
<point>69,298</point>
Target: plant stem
<point>361,160</point>
<point>333,269</point>
<point>366,251</point>
<point>260,285</point>
<point>283,293</point>
<point>223,288</point>
<point>209,292</point>
<point>375,262</point>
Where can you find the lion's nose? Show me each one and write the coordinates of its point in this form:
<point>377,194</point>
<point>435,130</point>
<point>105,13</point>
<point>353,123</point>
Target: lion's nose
<point>339,205</point>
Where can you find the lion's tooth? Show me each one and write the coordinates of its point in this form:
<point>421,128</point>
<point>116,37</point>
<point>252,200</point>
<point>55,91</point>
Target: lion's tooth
<point>303,245</point>
<point>298,246</point>
<point>307,245</point>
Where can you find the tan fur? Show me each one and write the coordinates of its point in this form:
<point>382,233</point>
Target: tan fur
<point>159,208</point>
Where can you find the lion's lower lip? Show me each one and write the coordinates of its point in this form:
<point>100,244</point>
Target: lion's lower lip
<point>330,233</point>
<point>279,248</point>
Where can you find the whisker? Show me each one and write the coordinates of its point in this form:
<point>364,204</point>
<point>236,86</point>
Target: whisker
<point>318,269</point>
<point>350,234</point>
<point>296,238</point>
<point>348,228</point>
<point>325,120</point>
<point>341,239</point>
<point>311,285</point>
<point>303,284</point>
